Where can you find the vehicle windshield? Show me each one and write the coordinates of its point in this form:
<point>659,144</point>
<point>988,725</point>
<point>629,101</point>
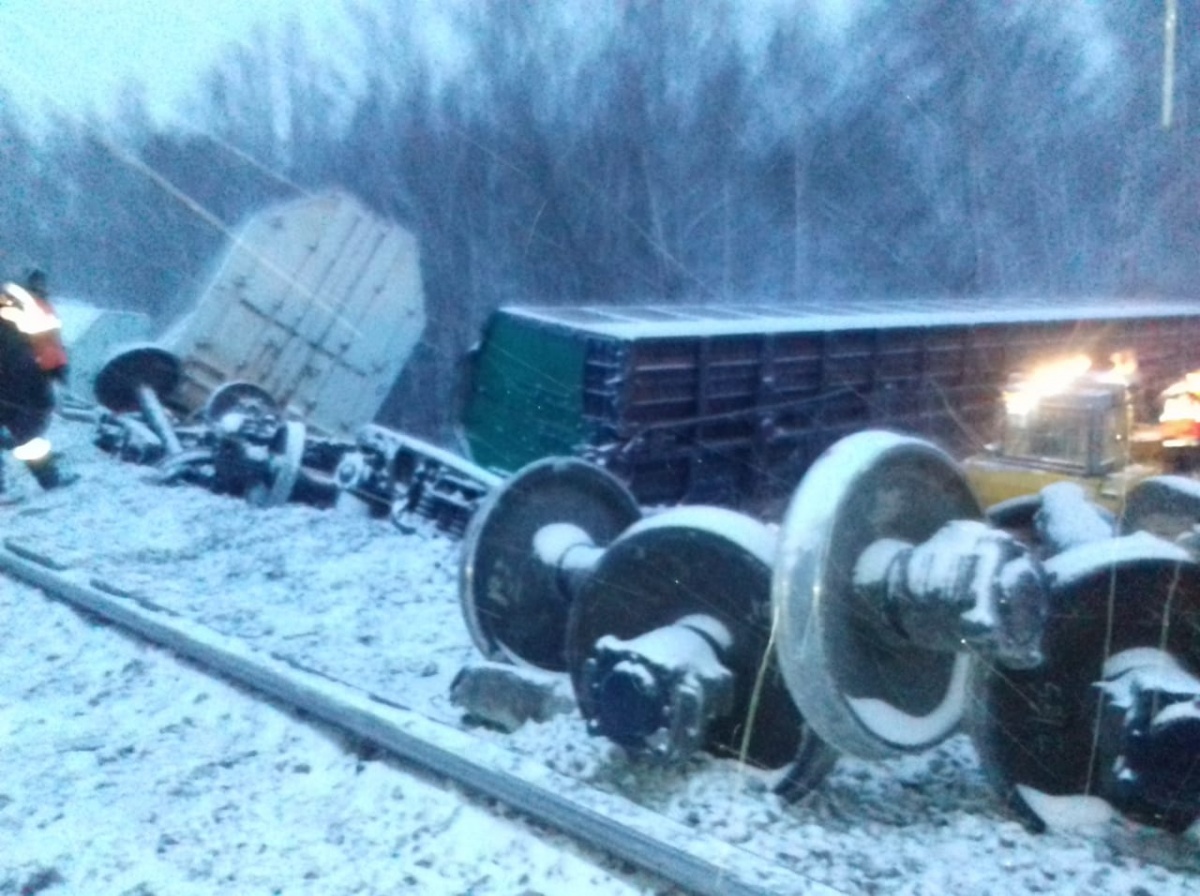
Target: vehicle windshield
<point>1082,432</point>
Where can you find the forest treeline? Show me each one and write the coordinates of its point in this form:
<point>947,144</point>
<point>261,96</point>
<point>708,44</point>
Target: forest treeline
<point>656,150</point>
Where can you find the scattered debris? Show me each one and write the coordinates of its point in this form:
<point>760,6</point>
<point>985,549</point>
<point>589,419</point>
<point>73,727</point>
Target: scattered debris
<point>506,697</point>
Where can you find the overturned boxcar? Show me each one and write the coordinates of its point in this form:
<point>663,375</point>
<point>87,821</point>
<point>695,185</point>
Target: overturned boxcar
<point>730,404</point>
<point>318,301</point>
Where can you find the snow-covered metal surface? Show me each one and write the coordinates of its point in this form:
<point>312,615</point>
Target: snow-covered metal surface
<point>911,731</point>
<point>318,301</point>
<point>748,533</point>
<point>650,321</point>
<point>1144,668</point>
<point>1067,519</point>
<point>1071,812</point>
<point>1089,556</point>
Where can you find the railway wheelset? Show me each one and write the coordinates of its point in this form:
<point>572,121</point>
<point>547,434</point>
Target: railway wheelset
<point>881,616</point>
<point>243,443</point>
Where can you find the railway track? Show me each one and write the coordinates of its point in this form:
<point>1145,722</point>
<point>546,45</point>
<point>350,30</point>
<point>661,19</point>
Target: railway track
<point>695,862</point>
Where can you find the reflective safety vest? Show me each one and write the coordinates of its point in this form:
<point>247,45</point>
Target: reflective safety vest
<point>34,317</point>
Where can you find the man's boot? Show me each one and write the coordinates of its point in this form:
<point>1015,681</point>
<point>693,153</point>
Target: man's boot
<point>49,474</point>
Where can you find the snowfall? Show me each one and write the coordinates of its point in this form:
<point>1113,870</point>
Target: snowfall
<point>133,772</point>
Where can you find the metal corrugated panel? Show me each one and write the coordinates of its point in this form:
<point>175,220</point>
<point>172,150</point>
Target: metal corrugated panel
<point>727,405</point>
<point>317,301</point>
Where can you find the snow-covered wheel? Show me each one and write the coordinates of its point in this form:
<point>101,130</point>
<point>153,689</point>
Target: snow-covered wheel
<point>708,568</point>
<point>284,455</point>
<point>1122,641</point>
<point>513,598</point>
<point>238,395</point>
<point>1166,506</point>
<point>1059,517</point>
<point>864,690</point>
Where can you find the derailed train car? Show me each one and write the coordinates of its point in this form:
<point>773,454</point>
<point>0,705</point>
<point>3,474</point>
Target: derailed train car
<point>305,323</point>
<point>318,301</point>
<point>730,404</point>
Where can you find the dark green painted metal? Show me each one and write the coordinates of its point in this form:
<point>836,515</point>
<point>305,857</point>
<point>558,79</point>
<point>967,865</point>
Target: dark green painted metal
<point>527,400</point>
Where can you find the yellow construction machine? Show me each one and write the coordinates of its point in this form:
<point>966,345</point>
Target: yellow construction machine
<point>1065,420</point>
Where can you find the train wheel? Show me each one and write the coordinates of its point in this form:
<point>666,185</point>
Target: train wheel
<point>238,395</point>
<point>709,570</point>
<point>1123,631</point>
<point>285,452</point>
<point>1166,506</point>
<point>864,693</point>
<point>512,592</point>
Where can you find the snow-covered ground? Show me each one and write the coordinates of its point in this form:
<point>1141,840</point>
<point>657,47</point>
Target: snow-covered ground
<point>128,771</point>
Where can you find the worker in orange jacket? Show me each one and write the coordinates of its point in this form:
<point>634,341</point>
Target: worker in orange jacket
<point>46,341</point>
<point>31,357</point>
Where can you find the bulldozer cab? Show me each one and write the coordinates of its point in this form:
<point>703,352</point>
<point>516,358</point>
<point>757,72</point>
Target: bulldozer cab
<point>1083,430</point>
<point>1059,422</point>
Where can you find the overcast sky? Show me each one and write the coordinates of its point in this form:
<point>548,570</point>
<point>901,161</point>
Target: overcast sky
<point>78,53</point>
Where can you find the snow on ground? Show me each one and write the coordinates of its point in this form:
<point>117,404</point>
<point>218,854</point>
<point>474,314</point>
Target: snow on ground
<point>130,772</point>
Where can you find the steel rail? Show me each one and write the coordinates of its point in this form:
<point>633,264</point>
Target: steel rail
<point>699,863</point>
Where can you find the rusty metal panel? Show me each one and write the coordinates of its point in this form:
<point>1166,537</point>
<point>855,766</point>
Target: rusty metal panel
<point>317,301</point>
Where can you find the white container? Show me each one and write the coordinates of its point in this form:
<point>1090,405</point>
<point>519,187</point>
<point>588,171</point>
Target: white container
<point>317,301</point>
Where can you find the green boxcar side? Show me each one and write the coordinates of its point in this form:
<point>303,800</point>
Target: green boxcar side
<point>527,395</point>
